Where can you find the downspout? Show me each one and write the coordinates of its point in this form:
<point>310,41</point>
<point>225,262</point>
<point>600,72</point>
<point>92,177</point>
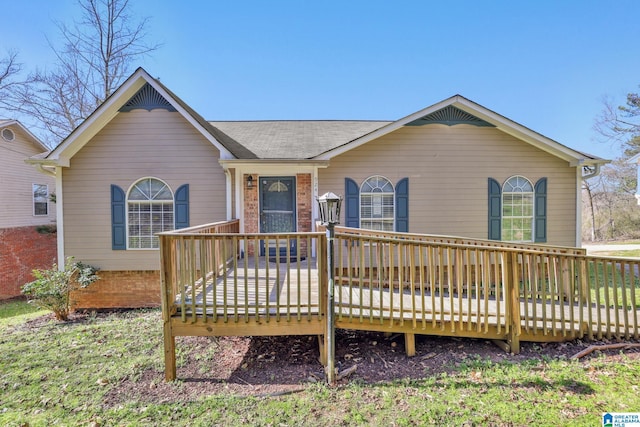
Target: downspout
<point>591,172</point>
<point>578,208</point>
<point>60,218</point>
<point>227,175</point>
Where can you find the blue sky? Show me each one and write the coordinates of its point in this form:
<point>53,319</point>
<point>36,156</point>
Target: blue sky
<point>545,64</point>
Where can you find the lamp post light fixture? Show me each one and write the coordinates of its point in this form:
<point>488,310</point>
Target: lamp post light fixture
<point>329,205</point>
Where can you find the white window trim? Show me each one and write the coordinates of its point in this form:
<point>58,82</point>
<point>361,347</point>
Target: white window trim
<point>173,201</point>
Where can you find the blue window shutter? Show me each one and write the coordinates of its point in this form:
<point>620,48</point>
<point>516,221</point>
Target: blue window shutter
<point>402,205</point>
<point>118,219</point>
<point>541,211</point>
<point>352,203</point>
<point>495,210</point>
<point>181,206</point>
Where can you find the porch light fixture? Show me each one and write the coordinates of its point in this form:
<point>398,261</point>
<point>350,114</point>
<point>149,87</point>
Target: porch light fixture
<point>250,181</point>
<point>329,205</point>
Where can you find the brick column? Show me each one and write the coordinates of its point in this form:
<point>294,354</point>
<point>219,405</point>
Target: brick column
<point>304,201</point>
<point>251,209</point>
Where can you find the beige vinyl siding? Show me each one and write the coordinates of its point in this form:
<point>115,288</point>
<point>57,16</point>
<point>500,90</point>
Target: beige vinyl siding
<point>16,183</point>
<point>448,168</point>
<point>132,146</point>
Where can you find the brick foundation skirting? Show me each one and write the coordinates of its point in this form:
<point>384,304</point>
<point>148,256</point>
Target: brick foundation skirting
<point>23,249</point>
<point>120,289</point>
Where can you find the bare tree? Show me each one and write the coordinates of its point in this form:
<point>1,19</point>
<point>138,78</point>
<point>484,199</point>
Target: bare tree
<point>10,71</point>
<point>610,209</point>
<point>97,54</point>
<point>621,123</point>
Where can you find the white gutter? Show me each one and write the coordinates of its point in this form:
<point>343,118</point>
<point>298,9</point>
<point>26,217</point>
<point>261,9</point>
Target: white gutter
<point>48,172</point>
<point>594,172</point>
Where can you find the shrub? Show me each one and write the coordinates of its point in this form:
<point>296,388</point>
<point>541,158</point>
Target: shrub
<point>52,288</point>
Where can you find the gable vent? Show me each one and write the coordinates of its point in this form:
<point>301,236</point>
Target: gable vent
<point>449,116</point>
<point>147,98</point>
<point>8,135</point>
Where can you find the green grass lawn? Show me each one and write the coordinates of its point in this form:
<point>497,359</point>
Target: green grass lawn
<point>68,374</point>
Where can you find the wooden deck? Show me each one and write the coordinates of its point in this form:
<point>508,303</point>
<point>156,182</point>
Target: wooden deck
<point>215,283</point>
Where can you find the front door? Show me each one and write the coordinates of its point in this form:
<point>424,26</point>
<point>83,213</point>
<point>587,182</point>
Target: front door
<point>278,212</point>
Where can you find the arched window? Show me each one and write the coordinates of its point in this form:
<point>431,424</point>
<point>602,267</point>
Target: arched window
<point>517,210</point>
<point>149,211</point>
<point>377,210</point>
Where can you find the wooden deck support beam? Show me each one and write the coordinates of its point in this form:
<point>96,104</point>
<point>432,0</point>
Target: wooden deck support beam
<point>410,344</point>
<point>513,293</point>
<point>169,353</point>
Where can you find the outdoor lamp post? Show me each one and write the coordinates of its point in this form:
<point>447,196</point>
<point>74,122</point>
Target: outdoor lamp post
<point>329,205</point>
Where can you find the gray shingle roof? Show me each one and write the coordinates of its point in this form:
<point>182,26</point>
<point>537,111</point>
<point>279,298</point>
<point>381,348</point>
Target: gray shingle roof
<point>303,139</point>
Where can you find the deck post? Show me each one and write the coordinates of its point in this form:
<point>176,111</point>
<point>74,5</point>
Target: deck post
<point>330,332</point>
<point>410,344</point>
<point>166,294</point>
<point>169,353</point>
<point>512,289</point>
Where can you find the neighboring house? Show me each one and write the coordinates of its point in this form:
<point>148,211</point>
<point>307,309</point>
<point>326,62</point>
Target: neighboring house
<point>635,160</point>
<point>27,217</point>
<point>145,162</point>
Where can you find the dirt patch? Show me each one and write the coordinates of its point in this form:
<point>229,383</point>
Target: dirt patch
<point>270,366</point>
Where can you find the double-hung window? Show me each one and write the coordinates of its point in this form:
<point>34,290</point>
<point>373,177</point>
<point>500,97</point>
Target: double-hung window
<point>40,199</point>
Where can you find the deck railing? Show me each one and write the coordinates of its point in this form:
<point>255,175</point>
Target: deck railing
<point>216,281</point>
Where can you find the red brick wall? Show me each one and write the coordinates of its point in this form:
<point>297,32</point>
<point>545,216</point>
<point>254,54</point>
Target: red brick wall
<point>120,289</point>
<point>23,249</point>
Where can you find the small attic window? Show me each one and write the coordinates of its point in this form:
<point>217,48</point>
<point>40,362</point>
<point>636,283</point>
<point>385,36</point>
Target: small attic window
<point>8,135</point>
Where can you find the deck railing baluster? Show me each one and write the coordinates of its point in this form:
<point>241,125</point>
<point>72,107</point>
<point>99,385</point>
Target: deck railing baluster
<point>371,275</point>
<point>607,299</point>
<point>423,301</point>
<point>634,280</point>
<point>267,284</point>
<point>288,255</point>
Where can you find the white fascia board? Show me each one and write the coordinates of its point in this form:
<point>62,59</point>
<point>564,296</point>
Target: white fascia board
<point>500,122</point>
<point>521,132</point>
<point>96,121</point>
<point>110,108</point>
